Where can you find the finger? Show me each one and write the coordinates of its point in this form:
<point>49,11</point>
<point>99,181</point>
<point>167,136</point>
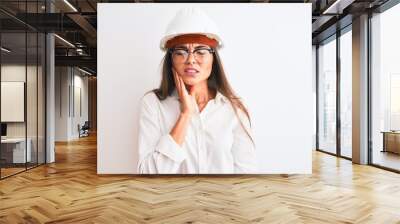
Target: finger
<point>183,86</point>
<point>180,86</point>
<point>177,82</point>
<point>175,78</point>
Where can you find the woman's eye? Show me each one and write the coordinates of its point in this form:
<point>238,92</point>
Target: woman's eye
<point>180,52</point>
<point>202,51</point>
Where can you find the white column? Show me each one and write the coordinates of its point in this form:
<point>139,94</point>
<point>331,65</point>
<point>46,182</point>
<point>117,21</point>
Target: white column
<point>50,92</point>
<point>50,100</point>
<point>360,90</point>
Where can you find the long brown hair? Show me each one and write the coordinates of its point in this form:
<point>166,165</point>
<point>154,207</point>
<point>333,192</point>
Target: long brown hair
<point>217,81</point>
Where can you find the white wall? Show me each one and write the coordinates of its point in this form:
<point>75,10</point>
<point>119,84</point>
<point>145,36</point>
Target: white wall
<point>62,80</point>
<point>267,58</point>
<point>80,83</point>
<point>68,80</point>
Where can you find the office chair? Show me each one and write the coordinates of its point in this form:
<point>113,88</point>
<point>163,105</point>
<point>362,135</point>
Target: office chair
<point>84,130</point>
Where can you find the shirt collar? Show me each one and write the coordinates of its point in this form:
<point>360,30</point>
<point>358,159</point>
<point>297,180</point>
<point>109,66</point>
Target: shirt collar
<point>218,98</point>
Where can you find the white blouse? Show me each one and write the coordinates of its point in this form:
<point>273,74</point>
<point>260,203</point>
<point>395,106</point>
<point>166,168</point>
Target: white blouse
<point>215,142</point>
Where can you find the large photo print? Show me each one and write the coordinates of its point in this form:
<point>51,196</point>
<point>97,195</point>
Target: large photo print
<point>201,89</point>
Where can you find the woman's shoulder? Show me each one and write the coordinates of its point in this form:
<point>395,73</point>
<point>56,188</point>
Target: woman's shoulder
<point>242,111</point>
<point>150,95</point>
<point>149,98</point>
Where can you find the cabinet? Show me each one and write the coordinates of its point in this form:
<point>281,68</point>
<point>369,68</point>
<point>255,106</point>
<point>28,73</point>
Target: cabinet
<point>391,142</point>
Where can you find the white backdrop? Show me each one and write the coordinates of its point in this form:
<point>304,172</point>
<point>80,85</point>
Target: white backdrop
<point>267,58</point>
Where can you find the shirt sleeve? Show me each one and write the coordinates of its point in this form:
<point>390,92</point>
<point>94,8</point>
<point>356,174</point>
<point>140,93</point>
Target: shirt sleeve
<point>158,152</point>
<point>243,149</point>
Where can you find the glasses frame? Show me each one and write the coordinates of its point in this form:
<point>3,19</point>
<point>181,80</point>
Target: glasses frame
<point>172,50</point>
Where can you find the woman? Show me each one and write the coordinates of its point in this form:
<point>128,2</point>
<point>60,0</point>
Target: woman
<point>194,123</point>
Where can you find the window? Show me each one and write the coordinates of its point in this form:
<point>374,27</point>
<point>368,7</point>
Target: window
<point>385,89</point>
<point>327,96</point>
<point>346,94</point>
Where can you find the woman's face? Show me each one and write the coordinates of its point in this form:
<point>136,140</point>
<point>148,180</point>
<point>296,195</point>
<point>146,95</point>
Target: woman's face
<point>194,67</point>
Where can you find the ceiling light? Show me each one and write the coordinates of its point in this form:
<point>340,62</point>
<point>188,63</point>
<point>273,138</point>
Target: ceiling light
<point>329,9</point>
<point>5,50</point>
<point>65,41</point>
<point>84,71</point>
<point>70,5</point>
<point>337,7</point>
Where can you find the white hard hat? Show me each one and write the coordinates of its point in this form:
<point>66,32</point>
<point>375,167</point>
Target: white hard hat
<point>191,21</point>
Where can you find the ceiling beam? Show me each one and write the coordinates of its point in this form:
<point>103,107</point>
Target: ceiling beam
<point>337,7</point>
<point>84,24</point>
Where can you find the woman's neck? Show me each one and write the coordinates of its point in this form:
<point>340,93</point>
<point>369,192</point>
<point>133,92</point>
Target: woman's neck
<point>202,92</point>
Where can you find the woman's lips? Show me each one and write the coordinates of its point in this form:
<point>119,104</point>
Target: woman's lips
<point>191,71</point>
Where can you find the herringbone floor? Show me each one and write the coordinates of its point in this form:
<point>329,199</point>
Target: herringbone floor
<point>69,191</point>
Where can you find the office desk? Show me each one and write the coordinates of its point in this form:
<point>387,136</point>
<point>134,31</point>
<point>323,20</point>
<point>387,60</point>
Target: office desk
<point>13,150</point>
<point>391,141</point>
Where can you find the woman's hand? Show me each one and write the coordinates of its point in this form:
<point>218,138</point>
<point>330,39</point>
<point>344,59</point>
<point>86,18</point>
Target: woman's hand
<point>188,101</point>
<point>188,107</point>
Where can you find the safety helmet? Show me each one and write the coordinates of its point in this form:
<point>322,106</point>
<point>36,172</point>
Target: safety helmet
<point>191,21</point>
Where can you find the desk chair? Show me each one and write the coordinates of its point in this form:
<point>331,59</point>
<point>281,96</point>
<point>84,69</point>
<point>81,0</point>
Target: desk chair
<point>84,130</point>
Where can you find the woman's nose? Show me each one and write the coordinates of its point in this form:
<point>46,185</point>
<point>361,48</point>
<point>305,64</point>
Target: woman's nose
<point>191,59</point>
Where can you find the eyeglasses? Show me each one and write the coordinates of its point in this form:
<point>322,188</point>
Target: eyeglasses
<point>182,54</point>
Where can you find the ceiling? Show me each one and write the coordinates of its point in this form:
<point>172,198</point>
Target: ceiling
<point>76,22</point>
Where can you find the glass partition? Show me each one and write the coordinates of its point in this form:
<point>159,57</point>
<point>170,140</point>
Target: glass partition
<point>327,96</point>
<point>22,89</point>
<point>13,109</point>
<point>32,95</point>
<point>41,107</point>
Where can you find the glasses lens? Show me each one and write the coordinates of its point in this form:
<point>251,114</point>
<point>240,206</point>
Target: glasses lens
<point>199,54</point>
<point>179,54</point>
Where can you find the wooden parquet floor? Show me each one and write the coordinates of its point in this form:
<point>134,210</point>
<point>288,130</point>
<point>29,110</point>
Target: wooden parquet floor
<point>70,191</point>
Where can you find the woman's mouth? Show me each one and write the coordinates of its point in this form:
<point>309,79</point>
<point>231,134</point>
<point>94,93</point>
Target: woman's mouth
<point>191,71</point>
